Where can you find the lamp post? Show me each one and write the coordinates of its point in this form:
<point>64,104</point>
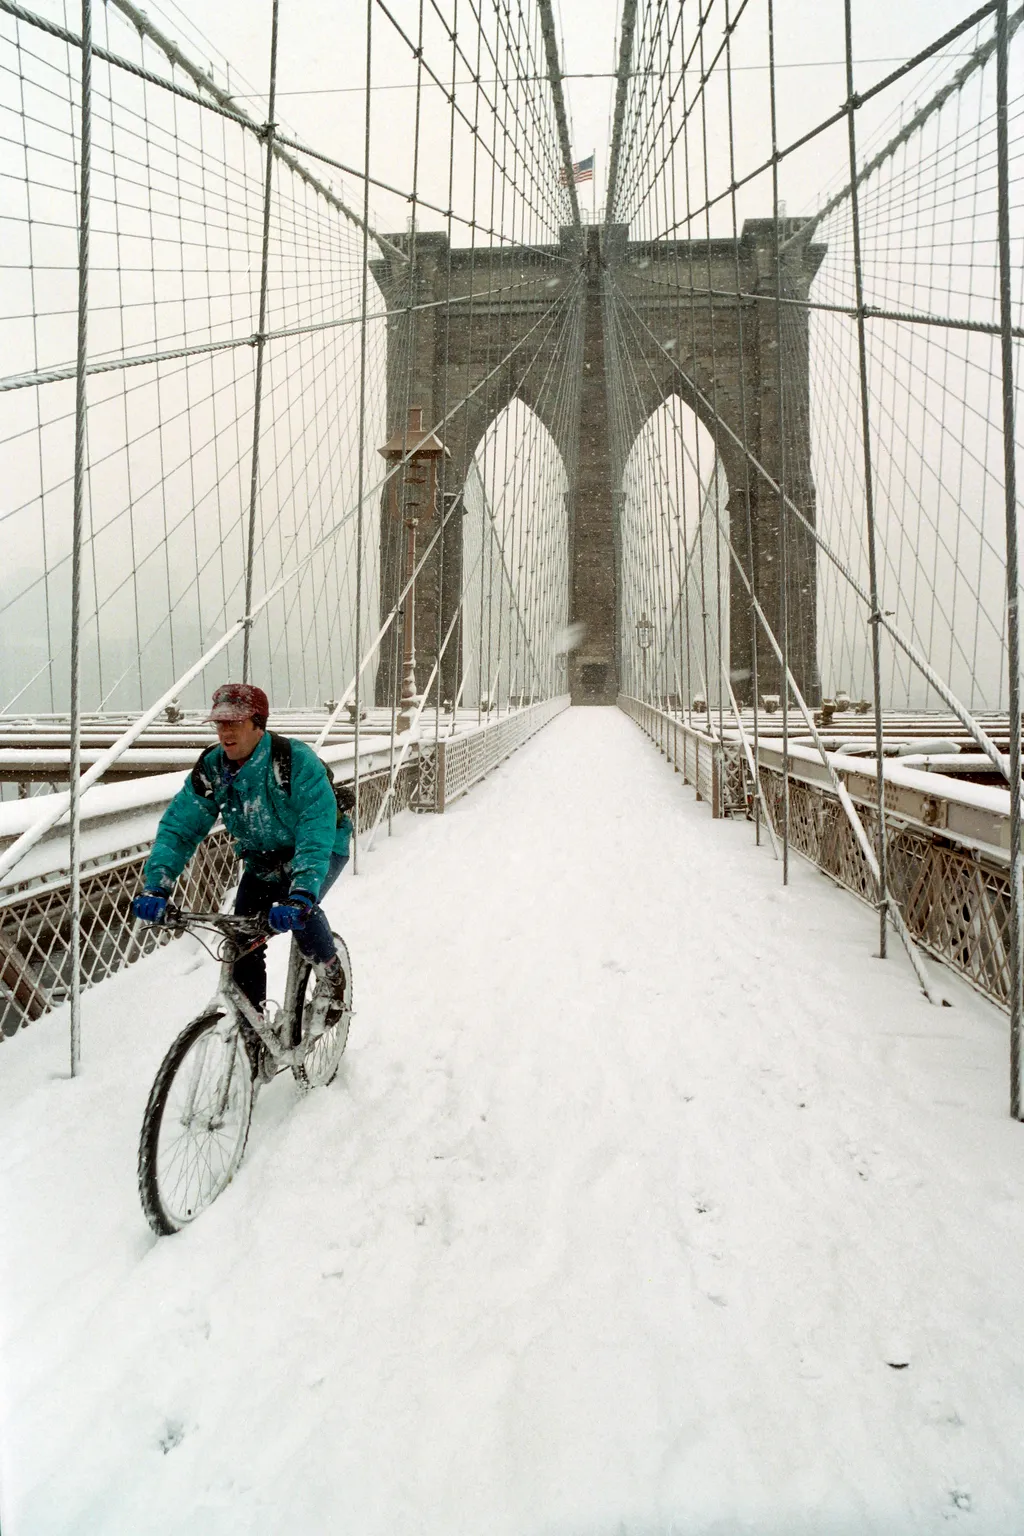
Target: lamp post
<point>645,639</point>
<point>410,698</point>
<point>412,496</point>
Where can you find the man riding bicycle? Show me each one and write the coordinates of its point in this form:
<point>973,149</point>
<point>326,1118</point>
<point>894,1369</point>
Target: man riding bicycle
<point>278,802</point>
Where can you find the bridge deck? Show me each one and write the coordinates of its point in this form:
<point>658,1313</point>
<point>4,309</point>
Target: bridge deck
<point>641,1179</point>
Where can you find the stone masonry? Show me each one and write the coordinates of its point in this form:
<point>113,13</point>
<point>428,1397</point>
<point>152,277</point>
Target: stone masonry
<point>491,334</point>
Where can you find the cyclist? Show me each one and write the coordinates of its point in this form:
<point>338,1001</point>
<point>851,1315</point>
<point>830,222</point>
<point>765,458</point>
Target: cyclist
<point>278,803</point>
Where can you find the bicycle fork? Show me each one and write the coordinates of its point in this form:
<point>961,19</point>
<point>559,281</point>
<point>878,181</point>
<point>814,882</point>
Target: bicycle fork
<point>213,1111</point>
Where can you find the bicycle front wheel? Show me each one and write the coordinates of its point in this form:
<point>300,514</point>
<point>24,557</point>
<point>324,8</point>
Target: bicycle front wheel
<point>196,1124</point>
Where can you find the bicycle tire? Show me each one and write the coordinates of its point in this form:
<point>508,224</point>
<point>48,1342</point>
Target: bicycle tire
<point>215,1158</point>
<point>319,1066</point>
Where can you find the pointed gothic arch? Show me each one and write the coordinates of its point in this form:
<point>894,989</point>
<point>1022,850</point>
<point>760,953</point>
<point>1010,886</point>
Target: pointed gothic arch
<point>675,310</point>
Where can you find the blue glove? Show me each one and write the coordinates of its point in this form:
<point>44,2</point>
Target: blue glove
<point>150,907</point>
<point>284,916</point>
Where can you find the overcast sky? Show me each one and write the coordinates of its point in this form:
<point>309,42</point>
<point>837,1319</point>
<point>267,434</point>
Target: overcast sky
<point>321,66</point>
<point>322,60</point>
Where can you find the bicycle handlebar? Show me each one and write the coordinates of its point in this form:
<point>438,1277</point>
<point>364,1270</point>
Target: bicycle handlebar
<point>227,923</point>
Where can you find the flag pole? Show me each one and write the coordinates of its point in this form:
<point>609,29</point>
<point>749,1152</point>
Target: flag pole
<point>593,185</point>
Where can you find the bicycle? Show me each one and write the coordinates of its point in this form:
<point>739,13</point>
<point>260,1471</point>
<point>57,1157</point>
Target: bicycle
<point>196,1124</point>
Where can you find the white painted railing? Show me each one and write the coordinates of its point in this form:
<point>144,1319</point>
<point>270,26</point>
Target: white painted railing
<point>118,825</point>
<point>947,839</point>
<point>464,760</point>
<point>698,756</point>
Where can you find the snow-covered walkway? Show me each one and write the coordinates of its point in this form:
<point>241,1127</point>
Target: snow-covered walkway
<point>640,1180</point>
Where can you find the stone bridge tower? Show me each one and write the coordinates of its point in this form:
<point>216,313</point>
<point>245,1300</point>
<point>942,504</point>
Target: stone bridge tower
<point>470,324</point>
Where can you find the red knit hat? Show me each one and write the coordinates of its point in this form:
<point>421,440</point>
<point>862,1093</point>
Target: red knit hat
<point>239,701</point>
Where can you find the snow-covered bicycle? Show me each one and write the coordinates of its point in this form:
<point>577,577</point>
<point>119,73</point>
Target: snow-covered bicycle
<point>196,1123</point>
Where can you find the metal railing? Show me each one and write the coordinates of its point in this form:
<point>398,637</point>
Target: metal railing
<point>714,769</point>
<point>948,841</point>
<point>118,826</point>
<point>464,760</point>
<point>35,917</point>
<point>948,849</point>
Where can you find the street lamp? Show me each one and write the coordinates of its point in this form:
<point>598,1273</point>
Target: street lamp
<point>645,639</point>
<point>413,494</point>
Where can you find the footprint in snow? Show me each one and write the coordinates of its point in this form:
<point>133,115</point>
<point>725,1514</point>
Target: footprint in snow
<point>959,1503</point>
<point>173,1435</point>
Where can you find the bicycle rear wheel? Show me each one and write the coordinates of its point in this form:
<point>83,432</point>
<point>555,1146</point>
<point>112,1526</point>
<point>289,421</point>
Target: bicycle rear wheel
<point>320,1064</point>
<point>196,1124</point>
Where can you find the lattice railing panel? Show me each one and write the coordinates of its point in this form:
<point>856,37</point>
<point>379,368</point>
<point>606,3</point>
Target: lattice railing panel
<point>954,903</point>
<point>700,759</point>
<point>35,929</point>
<point>960,909</point>
<point>466,759</point>
<point>735,780</point>
<point>373,790</point>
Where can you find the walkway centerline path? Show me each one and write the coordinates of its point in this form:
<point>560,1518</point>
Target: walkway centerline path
<point>647,1199</point>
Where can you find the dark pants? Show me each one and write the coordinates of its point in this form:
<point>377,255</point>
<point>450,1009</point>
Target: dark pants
<point>334,869</point>
<point>256,895</point>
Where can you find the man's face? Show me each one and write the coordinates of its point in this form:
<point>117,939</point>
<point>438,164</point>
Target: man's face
<point>239,738</point>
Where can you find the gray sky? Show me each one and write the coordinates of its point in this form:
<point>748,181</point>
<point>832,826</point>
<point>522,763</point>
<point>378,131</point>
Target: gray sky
<point>322,59</point>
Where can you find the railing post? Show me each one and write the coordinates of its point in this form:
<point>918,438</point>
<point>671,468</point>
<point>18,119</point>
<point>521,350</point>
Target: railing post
<point>881,849</point>
<point>75,765</point>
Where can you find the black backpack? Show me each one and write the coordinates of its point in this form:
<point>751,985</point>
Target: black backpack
<point>281,767</point>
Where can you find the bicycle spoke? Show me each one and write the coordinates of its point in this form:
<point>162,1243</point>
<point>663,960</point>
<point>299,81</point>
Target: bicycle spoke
<point>201,1117</point>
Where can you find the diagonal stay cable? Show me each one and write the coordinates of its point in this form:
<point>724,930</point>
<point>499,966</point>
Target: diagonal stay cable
<point>964,715</point>
<point>57,805</point>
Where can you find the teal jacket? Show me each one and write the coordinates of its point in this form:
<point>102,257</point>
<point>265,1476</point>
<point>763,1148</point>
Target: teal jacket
<point>343,840</point>
<point>271,827</point>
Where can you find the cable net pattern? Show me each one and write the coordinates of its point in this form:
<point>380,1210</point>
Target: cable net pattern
<point>179,361</point>
<point>929,231</point>
<point>254,324</point>
<point>727,307</point>
<point>177,195</point>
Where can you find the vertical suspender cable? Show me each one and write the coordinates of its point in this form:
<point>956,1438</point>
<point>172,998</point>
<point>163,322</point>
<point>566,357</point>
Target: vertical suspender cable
<point>442,479</point>
<point>261,341</point>
<point>361,462</point>
<point>869,495</point>
<point>407,509</point>
<point>75,767</point>
<point>716,466</point>
<point>683,550</point>
<point>699,535</point>
<point>781,420</point>
<point>1012,564</point>
<point>755,682</point>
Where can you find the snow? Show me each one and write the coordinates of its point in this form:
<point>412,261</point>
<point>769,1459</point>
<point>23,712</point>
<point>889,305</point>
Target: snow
<point>155,789</point>
<point>647,1200</point>
<point>121,816</point>
<point>985,797</point>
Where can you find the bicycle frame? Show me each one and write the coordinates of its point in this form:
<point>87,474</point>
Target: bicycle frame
<point>285,1025</point>
<point>232,1002</point>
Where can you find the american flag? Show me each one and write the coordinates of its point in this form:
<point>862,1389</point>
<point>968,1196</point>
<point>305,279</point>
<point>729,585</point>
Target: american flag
<point>582,170</point>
